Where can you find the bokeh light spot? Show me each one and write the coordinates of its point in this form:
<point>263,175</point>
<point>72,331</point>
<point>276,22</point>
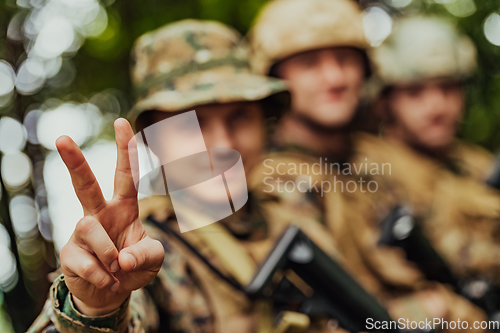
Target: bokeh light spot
<point>492,29</point>
<point>15,170</point>
<point>377,25</point>
<point>24,216</point>
<point>67,119</point>
<point>55,38</point>
<point>7,82</point>
<point>8,270</point>
<point>30,77</point>
<point>461,8</point>
<point>12,135</point>
<point>399,3</point>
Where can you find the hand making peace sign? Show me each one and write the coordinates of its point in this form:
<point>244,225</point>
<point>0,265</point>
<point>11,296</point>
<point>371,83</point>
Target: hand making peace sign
<point>109,253</point>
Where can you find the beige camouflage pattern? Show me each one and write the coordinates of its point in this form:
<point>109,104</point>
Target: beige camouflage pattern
<point>287,27</point>
<point>352,221</point>
<point>194,62</point>
<point>460,215</point>
<point>187,296</point>
<point>423,48</point>
<point>384,271</point>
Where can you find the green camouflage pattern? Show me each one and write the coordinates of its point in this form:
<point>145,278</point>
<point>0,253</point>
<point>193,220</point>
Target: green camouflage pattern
<point>178,300</point>
<point>60,315</point>
<point>287,27</point>
<point>173,299</point>
<point>181,299</point>
<point>422,48</point>
<point>194,62</point>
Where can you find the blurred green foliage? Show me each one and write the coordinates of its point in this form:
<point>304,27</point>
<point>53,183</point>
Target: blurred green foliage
<point>103,62</point>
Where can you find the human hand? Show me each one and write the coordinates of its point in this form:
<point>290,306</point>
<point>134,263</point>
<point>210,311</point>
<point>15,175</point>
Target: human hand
<point>109,254</point>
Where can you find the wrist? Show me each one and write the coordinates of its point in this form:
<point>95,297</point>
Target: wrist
<point>67,317</point>
<point>91,311</point>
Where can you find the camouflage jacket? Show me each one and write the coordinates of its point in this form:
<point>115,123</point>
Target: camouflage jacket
<point>352,218</point>
<point>459,213</point>
<point>187,296</point>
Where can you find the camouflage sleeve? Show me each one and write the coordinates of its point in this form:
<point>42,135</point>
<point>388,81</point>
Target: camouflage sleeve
<point>476,162</point>
<point>464,227</point>
<point>435,301</point>
<point>60,315</point>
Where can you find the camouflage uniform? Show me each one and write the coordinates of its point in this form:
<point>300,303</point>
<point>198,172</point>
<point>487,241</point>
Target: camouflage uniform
<point>177,67</point>
<point>353,221</point>
<point>288,27</point>
<point>187,296</point>
<point>460,214</point>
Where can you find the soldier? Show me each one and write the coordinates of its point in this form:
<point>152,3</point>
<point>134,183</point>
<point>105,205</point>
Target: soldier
<point>422,69</point>
<point>184,65</point>
<point>318,47</point>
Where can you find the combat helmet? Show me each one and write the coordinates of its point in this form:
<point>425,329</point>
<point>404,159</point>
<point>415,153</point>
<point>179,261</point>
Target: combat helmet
<point>423,48</point>
<point>287,27</point>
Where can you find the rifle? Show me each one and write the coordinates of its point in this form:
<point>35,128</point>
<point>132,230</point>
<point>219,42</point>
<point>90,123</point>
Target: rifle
<point>332,291</point>
<point>296,263</point>
<point>402,230</point>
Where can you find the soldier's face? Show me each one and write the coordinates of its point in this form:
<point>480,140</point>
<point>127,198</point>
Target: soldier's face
<point>326,84</point>
<point>427,114</point>
<point>238,126</point>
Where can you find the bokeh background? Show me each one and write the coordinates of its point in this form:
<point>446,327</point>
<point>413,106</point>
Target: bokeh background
<point>64,70</point>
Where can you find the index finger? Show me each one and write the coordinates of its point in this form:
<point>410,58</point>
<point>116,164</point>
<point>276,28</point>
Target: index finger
<point>127,162</point>
<point>84,182</point>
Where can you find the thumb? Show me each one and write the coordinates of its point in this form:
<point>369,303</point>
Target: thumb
<point>147,254</point>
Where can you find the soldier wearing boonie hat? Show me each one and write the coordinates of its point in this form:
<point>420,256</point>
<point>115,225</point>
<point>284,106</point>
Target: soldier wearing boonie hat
<point>200,65</point>
<point>192,63</point>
